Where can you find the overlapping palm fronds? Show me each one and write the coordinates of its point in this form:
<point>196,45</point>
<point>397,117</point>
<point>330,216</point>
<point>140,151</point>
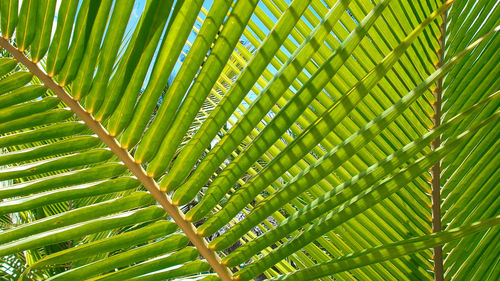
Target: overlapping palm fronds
<point>239,140</point>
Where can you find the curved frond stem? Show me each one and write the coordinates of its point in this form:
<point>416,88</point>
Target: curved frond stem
<point>151,185</point>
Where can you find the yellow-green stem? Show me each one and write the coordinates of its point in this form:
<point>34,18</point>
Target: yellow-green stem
<point>164,200</point>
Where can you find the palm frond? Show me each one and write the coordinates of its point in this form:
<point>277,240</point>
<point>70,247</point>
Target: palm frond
<point>238,140</point>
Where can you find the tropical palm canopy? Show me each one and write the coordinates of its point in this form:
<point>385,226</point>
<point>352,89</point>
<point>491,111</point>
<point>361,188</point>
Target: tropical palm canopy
<point>239,140</point>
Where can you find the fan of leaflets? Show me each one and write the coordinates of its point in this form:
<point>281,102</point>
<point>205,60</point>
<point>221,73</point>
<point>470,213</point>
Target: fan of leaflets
<point>286,140</point>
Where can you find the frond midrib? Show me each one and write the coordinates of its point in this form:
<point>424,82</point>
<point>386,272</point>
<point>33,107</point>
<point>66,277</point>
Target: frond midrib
<point>149,183</point>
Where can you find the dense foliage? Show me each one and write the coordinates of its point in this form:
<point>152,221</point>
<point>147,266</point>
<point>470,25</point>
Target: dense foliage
<point>238,140</point>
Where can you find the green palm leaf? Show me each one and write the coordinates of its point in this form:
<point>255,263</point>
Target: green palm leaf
<point>238,140</point>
